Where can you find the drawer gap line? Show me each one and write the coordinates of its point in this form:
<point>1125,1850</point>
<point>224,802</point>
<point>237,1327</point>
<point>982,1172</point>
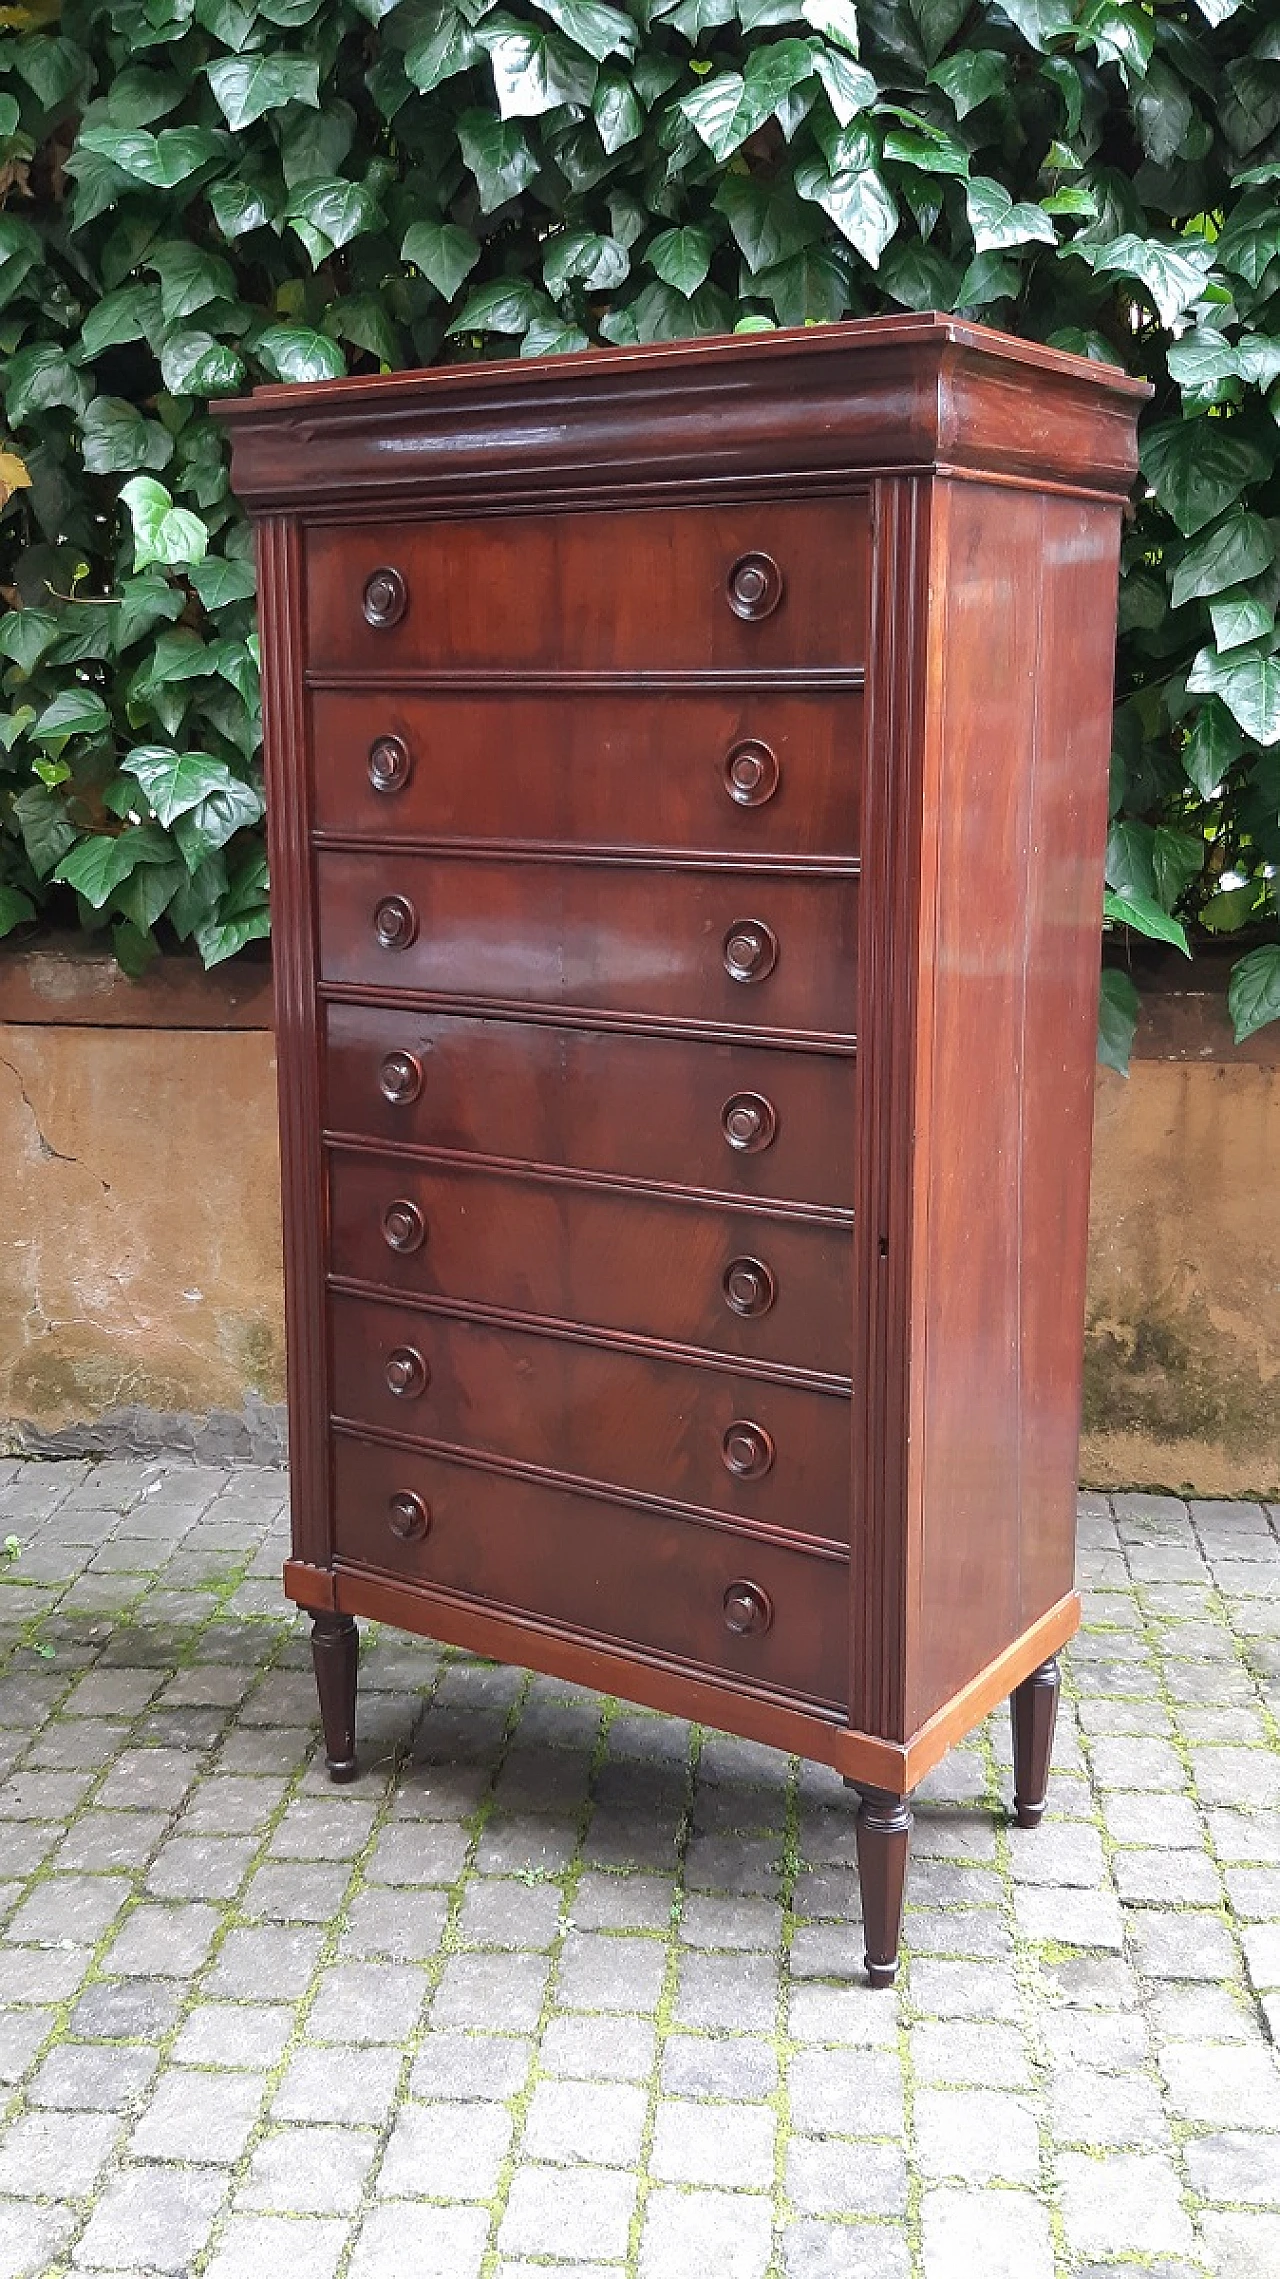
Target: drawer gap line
<point>595,857</point>
<point>483,680</point>
<point>580,1017</point>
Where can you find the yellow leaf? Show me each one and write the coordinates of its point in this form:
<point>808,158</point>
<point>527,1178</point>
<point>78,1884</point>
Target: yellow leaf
<point>13,475</point>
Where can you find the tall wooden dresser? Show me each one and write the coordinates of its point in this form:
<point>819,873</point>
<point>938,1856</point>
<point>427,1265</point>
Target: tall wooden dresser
<point>688,779</point>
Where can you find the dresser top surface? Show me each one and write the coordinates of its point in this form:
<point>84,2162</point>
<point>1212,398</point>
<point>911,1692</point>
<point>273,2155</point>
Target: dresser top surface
<point>910,393</point>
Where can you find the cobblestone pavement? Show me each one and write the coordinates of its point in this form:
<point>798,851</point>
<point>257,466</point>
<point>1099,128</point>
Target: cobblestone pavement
<point>563,1985</point>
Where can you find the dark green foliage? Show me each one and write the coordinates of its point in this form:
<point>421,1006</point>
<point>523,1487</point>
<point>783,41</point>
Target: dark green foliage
<point>199,194</point>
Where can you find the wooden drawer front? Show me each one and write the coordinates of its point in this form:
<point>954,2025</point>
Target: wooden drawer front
<point>599,1100</point>
<point>663,1428</point>
<point>562,1253</point>
<point>642,1578</point>
<point>636,942</point>
<point>667,588</point>
<point>745,774</point>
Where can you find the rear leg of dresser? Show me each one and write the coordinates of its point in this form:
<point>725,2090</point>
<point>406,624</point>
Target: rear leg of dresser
<point>883,1833</point>
<point>335,1651</point>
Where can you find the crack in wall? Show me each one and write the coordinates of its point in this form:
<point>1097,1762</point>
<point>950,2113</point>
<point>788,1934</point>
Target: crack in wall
<point>46,1147</point>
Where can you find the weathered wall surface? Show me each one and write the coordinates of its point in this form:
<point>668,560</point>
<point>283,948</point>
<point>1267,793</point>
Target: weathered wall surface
<point>140,1298</point>
<point>139,1238</point>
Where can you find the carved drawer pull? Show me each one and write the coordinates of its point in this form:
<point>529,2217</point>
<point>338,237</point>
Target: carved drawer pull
<point>749,1287</point>
<point>403,1227</point>
<point>754,586</point>
<point>386,598</point>
<point>395,922</point>
<point>409,1517</point>
<point>406,1373</point>
<point>390,763</point>
<point>747,1450</point>
<point>400,1078</point>
<point>748,1610</point>
<point>751,773</point>
<point>750,950</point>
<point>749,1122</point>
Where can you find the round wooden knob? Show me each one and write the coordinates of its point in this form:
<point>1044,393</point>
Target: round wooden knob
<point>395,922</point>
<point>748,1610</point>
<point>749,1287</point>
<point>750,773</point>
<point>386,598</point>
<point>400,1078</point>
<point>746,1450</point>
<point>403,1227</point>
<point>750,950</point>
<point>409,1517</point>
<point>754,586</point>
<point>406,1373</point>
<point>390,763</point>
<point>749,1122</point>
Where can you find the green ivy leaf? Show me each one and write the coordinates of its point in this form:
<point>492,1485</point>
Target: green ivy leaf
<point>768,221</point>
<point>971,78</point>
<point>1199,467</point>
<point>600,30</point>
<point>552,337</point>
<point>161,161</point>
<point>509,304</point>
<point>1146,917</point>
<point>40,379</point>
<point>733,106</point>
<point>131,313</point>
<point>581,257</point>
<point>1118,1009</point>
<point>295,352</point>
<point>220,582</point>
<point>1174,275</point>
<point>1253,995</point>
<point>444,252</point>
<point>997,222</point>
<point>240,206</point>
<point>849,89</point>
<point>204,827</point>
<point>25,634</point>
<point>246,87</point>
<point>115,439</point>
<point>75,711</point>
<point>854,193</point>
<point>195,364</point>
<point>498,155</point>
<point>1248,681</point>
<point>447,47</point>
<point>162,532</point>
<point>1213,745</point>
<point>99,863</point>
<point>334,211</point>
<point>175,782</point>
<point>15,908</point>
<point>1235,549</point>
<point>534,70</point>
<point>47,829</point>
<point>681,257</point>
<point>617,111</point>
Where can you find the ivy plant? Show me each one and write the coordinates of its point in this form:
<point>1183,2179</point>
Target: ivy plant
<point>202,194</point>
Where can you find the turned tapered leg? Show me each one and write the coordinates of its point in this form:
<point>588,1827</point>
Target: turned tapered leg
<point>1034,1707</point>
<point>335,1651</point>
<point>883,1834</point>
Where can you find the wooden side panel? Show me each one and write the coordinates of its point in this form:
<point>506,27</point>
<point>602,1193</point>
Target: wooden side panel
<point>284,715</point>
<point>1079,563</point>
<point>1014,802</point>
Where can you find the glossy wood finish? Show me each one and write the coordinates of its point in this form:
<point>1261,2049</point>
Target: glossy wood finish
<point>713,1439</point>
<point>645,1269</point>
<point>1034,1709</point>
<point>611,1105</point>
<point>602,592</point>
<point>335,1651</point>
<point>747,774</point>
<point>603,1568</point>
<point>688,781</point>
<point>643,944</point>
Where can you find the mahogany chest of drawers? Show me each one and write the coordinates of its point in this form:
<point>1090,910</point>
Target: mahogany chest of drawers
<point>688,775</point>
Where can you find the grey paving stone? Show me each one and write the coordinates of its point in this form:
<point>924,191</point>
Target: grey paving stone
<point>600,1971</point>
<point>1191,2013</point>
<point>209,2113</point>
<point>21,2034</point>
<point>303,1891</point>
<point>1169,1821</point>
<point>248,2036</point>
<point>1211,2081</point>
<point>42,1974</point>
<point>842,2093</point>
<point>1122,2203</point>
<point>688,2234</point>
<point>1058,1852</point>
<point>624,1903</point>
<point>979,2135</point>
<point>151,2218</point>
<point>305,2248</point>
<point>31,2239</point>
<point>432,2243</point>
<point>1261,1943</point>
<point>834,2176</point>
<point>574,2121</point>
<point>713,2144</point>
<point>1241,2246</point>
<point>598,2049</point>
<point>970,2055</point>
<point>573,2213</point>
<point>976,1932</point>
<point>1069,1917</point>
<point>357,2086</point>
<point>741,2067</point>
<point>200,1867</point>
<point>405,1924</point>
<point>367,2002</point>
<point>139,2009</point>
<point>1184,1945</point>
<point>1245,1837</point>
<point>1254,1893</point>
<point>964,1990</point>
<point>735,1993</point>
<point>1002,2234</point>
<point>484,1990</point>
<point>68,1907</point>
<point>812,2250</point>
<point>263,1965</point>
<point>419,1852</point>
<point>1154,1878</point>
<point>1092,2107</point>
<point>111,1840</point>
<point>500,1912</point>
<point>1236,2166</point>
<point>306,2171</point>
<point>155,1779</point>
<point>323,1828</point>
<point>450,2151</point>
<point>55,2156</point>
<point>470,2066</point>
<point>1238,1778</point>
<point>80,2077</point>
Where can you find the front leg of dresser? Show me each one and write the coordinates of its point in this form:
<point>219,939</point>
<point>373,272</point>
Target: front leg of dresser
<point>335,1651</point>
<point>883,1834</point>
<point>1034,1708</point>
